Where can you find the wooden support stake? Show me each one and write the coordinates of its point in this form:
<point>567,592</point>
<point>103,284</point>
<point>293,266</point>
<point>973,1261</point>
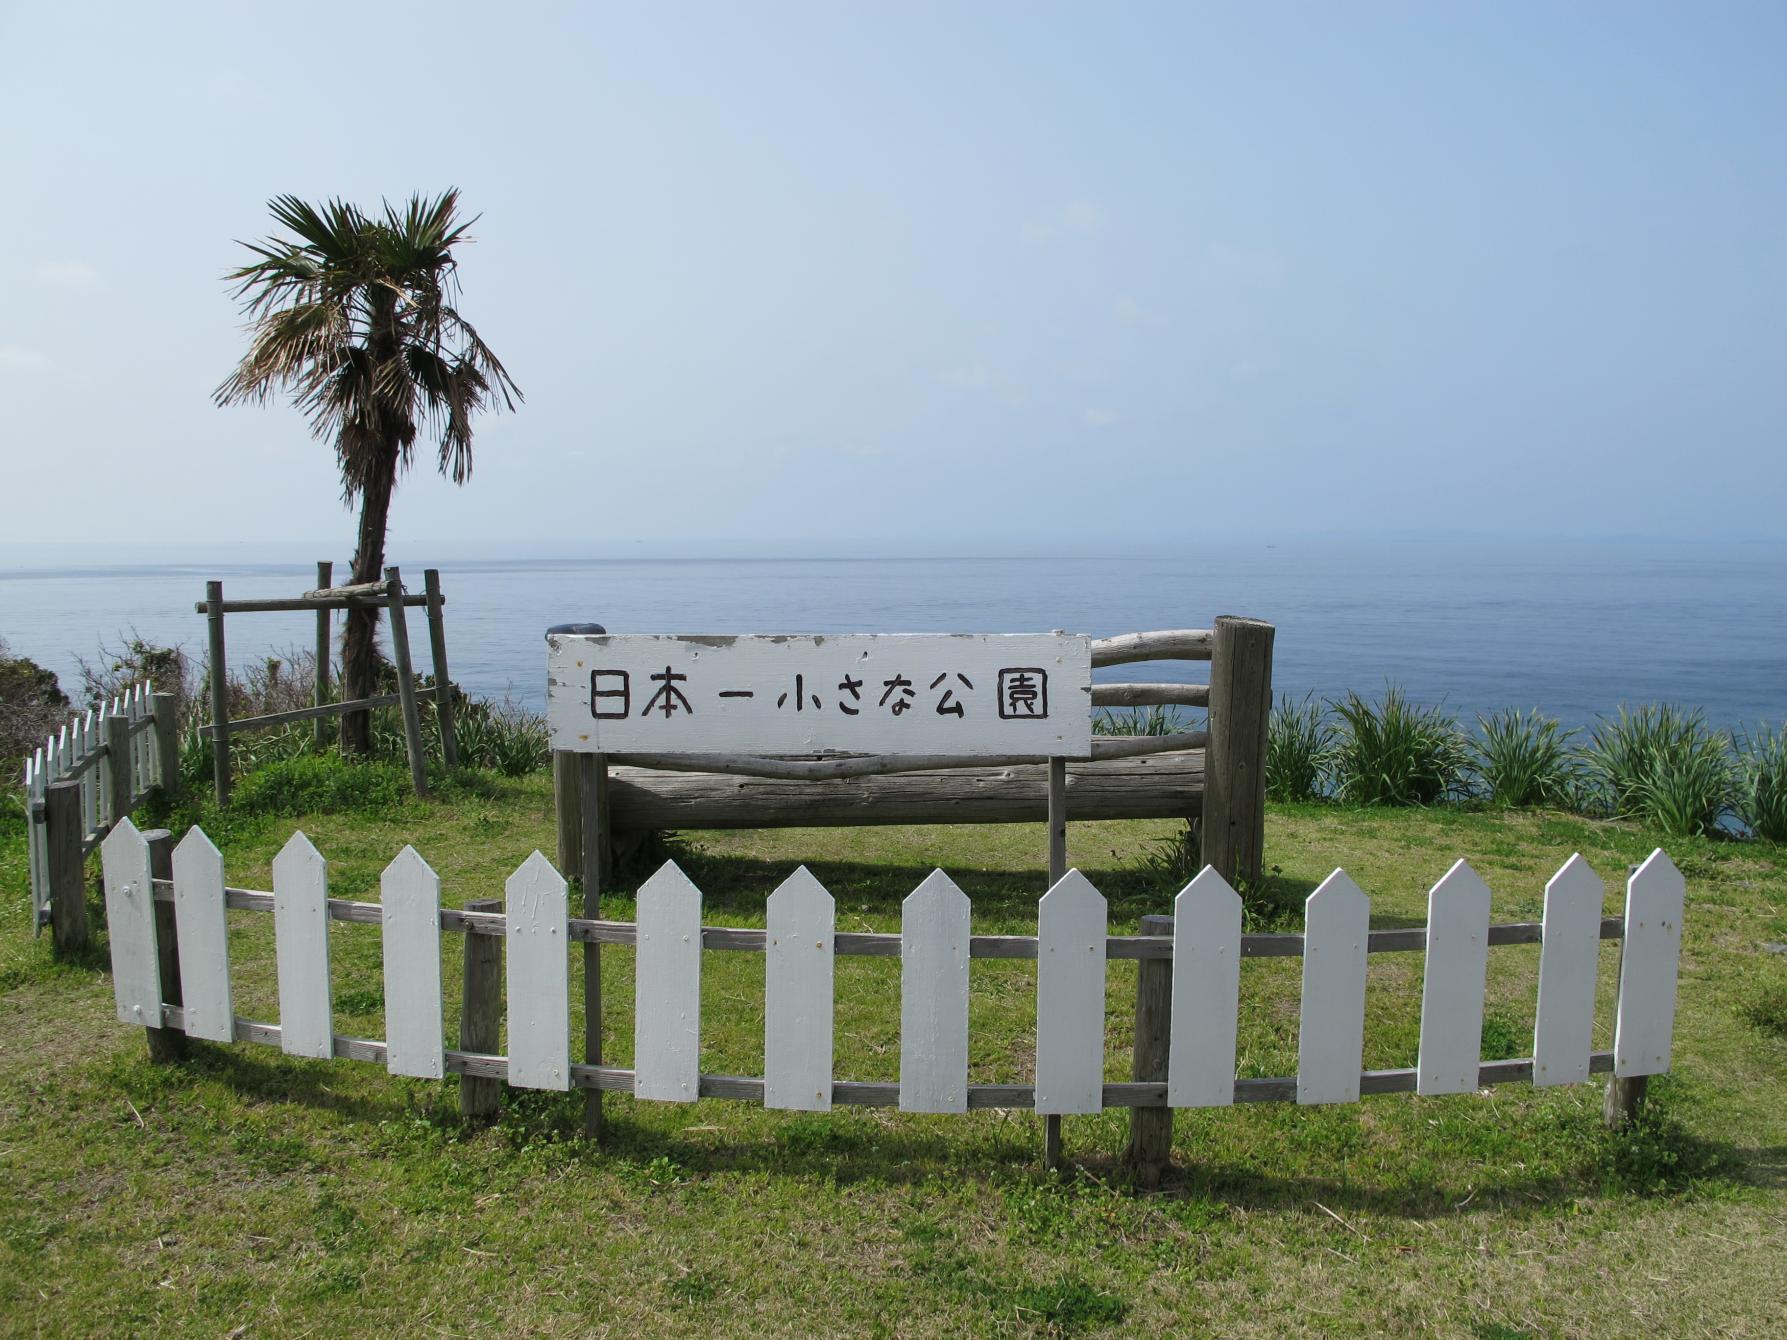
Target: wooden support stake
<point>166,709</point>
<point>592,790</point>
<point>406,682</point>
<point>567,812</point>
<point>1051,1133</point>
<point>1234,823</point>
<point>165,1044</point>
<point>437,648</point>
<point>481,1015</point>
<point>68,882</point>
<point>1625,1096</point>
<point>1151,1128</point>
<point>324,572</point>
<point>220,694</point>
<point>118,794</point>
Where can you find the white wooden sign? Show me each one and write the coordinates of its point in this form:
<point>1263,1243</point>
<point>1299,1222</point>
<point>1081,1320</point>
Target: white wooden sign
<point>970,694</point>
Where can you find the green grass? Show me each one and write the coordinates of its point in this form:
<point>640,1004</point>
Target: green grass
<point>245,1189</point>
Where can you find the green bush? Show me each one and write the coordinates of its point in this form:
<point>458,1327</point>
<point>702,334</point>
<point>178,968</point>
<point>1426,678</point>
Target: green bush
<point>322,784</point>
<point>1300,742</point>
<point>1762,783</point>
<point>1524,758</point>
<point>1395,753</point>
<point>1664,767</point>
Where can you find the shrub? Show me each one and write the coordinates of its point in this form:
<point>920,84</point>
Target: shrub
<point>1299,750</point>
<point>32,705</point>
<point>1524,758</point>
<point>1762,783</point>
<point>322,784</point>
<point>1395,753</point>
<point>1663,766</point>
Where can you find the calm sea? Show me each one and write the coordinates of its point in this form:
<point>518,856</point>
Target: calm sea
<point>1575,628</point>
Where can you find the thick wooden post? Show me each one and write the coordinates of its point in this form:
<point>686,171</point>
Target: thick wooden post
<point>117,795</point>
<point>220,694</point>
<point>592,787</point>
<point>1234,827</point>
<point>165,1044</point>
<point>1625,1096</point>
<point>325,573</point>
<point>166,709</point>
<point>406,682</point>
<point>481,1015</point>
<point>63,816</point>
<point>1051,1124</point>
<point>567,808</point>
<point>1151,1128</point>
<point>437,650</point>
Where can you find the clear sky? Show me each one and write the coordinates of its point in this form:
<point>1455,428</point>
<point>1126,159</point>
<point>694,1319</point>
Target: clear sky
<point>1092,274</point>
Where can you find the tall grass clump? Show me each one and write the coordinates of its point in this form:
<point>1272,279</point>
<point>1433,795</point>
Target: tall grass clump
<point>1525,758</point>
<point>1396,753</point>
<point>1762,783</point>
<point>1300,741</point>
<point>1664,767</point>
<point>1156,720</point>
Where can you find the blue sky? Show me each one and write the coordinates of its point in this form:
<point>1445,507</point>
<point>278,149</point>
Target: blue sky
<point>794,275</point>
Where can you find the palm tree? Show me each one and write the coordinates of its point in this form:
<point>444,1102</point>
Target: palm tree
<point>353,315</point>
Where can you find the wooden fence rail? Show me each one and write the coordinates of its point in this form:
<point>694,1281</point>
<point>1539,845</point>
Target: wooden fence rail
<point>1190,1037</point>
<point>81,782</point>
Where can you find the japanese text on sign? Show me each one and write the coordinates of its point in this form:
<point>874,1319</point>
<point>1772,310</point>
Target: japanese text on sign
<point>969,694</point>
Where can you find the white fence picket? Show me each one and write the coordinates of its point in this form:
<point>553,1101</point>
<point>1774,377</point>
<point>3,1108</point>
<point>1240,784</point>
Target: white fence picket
<point>1206,993</point>
<point>1070,970</point>
<point>201,921</point>
<point>667,995</point>
<point>410,899</point>
<point>1569,957</point>
<point>797,995</point>
<point>1650,958</point>
<point>130,922</point>
<point>934,931</point>
<point>539,976</point>
<point>1452,987</point>
<point>90,779</point>
<point>1331,1035</point>
<point>301,949</point>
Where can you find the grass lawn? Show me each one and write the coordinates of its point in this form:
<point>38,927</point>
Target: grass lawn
<point>244,1193</point>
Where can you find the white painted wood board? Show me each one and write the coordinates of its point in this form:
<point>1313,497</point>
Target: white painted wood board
<point>201,919</point>
<point>1331,1035</point>
<point>967,694</point>
<point>130,924</point>
<point>1649,961</point>
<point>1206,993</point>
<point>934,931</point>
<point>538,976</point>
<point>301,949</point>
<point>1451,1050</point>
<point>410,899</point>
<point>797,995</point>
<point>1569,959</point>
<point>1070,969</point>
<point>667,989</point>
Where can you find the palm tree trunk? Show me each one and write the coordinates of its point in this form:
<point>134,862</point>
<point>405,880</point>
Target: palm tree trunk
<point>359,647</point>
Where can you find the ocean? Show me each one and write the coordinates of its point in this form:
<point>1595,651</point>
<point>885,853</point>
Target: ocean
<point>1573,628</point>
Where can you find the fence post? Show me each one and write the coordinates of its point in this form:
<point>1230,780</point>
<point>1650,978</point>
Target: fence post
<point>481,1015</point>
<point>325,573</point>
<point>592,787</point>
<point>220,694</point>
<point>63,815</point>
<point>1151,1128</point>
<point>1625,1096</point>
<point>118,791</point>
<point>568,812</point>
<point>1051,1124</point>
<point>406,682</point>
<point>1234,826</point>
<point>166,710</point>
<point>165,1044</point>
<point>437,649</point>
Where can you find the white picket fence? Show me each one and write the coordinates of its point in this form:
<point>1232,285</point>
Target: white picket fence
<point>76,753</point>
<point>935,944</point>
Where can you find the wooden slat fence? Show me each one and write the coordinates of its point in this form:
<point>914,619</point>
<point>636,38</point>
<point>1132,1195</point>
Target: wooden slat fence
<point>935,945</point>
<point>111,786</point>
